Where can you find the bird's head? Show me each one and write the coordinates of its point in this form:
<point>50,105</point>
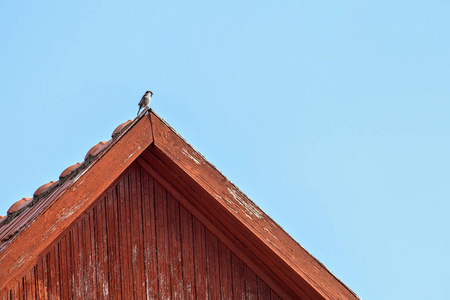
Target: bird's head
<point>149,93</point>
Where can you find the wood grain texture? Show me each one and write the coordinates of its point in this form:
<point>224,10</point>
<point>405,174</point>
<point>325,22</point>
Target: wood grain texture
<point>75,199</point>
<point>181,258</point>
<point>296,269</point>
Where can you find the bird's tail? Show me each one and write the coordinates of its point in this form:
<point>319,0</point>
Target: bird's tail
<point>138,111</point>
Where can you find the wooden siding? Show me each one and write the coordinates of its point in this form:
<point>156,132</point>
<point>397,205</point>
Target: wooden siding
<point>137,241</point>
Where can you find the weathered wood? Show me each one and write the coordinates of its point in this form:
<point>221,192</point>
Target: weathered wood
<point>188,193</point>
<point>226,281</point>
<point>263,290</point>
<point>137,248</point>
<point>100,249</point>
<point>67,207</point>
<point>238,269</point>
<point>162,242</point>
<point>200,260</point>
<point>251,284</point>
<point>149,229</point>
<point>176,271</point>
<point>124,237</point>
<point>187,240</point>
<point>296,269</point>
<point>212,255</point>
<point>113,245</point>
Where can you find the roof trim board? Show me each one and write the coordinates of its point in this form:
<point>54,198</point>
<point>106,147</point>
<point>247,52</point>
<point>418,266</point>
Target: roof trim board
<point>24,250</point>
<point>294,266</point>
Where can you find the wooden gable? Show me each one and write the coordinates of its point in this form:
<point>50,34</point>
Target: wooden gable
<point>151,218</point>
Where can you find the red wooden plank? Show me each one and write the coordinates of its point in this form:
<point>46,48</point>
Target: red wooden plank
<point>162,242</point>
<point>39,280</point>
<point>263,290</point>
<point>251,284</point>
<point>124,237</point>
<point>77,256</point>
<point>52,279</point>
<point>137,248</point>
<point>184,190</point>
<point>68,206</point>
<point>112,231</point>
<point>69,264</point>
<point>187,247</point>
<point>274,296</point>
<point>200,260</point>
<point>64,271</point>
<point>16,291</point>
<point>226,280</point>
<point>176,270</point>
<point>149,241</point>
<point>238,269</point>
<point>101,261</point>
<point>27,284</point>
<point>89,272</point>
<point>212,251</point>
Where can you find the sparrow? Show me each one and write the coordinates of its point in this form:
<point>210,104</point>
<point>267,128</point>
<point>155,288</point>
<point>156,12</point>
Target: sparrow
<point>145,100</point>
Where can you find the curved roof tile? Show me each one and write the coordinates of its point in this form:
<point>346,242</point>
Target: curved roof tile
<point>119,128</point>
<point>19,205</point>
<point>44,188</point>
<point>69,170</point>
<point>97,149</point>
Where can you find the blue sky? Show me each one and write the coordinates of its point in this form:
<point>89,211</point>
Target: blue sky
<point>331,116</point>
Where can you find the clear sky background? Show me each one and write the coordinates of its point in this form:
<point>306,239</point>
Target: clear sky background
<point>332,116</point>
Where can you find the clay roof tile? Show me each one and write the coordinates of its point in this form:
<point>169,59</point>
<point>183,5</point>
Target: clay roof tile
<point>69,170</point>
<point>97,149</point>
<point>119,128</point>
<point>19,205</point>
<point>43,188</point>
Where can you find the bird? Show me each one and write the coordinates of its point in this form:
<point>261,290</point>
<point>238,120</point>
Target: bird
<point>145,100</point>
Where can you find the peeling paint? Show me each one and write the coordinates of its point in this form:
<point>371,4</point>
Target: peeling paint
<point>252,210</point>
<point>186,152</point>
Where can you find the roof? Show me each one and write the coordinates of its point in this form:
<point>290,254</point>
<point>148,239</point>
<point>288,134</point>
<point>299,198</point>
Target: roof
<point>32,224</point>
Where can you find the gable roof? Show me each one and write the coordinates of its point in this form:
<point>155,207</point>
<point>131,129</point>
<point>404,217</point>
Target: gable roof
<point>33,224</point>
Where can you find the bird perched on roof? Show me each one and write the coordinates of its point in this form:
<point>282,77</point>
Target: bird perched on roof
<point>145,100</point>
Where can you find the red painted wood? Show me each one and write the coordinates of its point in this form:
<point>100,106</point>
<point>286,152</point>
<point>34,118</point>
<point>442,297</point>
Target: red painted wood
<point>140,229</point>
<point>112,232</point>
<point>137,249</point>
<point>77,197</point>
<point>188,196</point>
<point>124,237</point>
<point>101,260</point>
<point>263,290</point>
<point>251,284</point>
<point>64,270</point>
<point>200,260</point>
<point>266,242</point>
<point>78,256</point>
<point>226,280</point>
<point>187,249</point>
<point>238,269</point>
<point>162,242</point>
<point>176,271</point>
<point>149,230</point>
<point>212,254</point>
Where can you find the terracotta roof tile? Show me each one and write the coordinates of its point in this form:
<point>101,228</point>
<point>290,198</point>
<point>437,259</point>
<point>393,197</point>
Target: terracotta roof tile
<point>44,188</point>
<point>69,170</point>
<point>119,128</point>
<point>97,149</point>
<point>19,205</point>
<point>1,218</point>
